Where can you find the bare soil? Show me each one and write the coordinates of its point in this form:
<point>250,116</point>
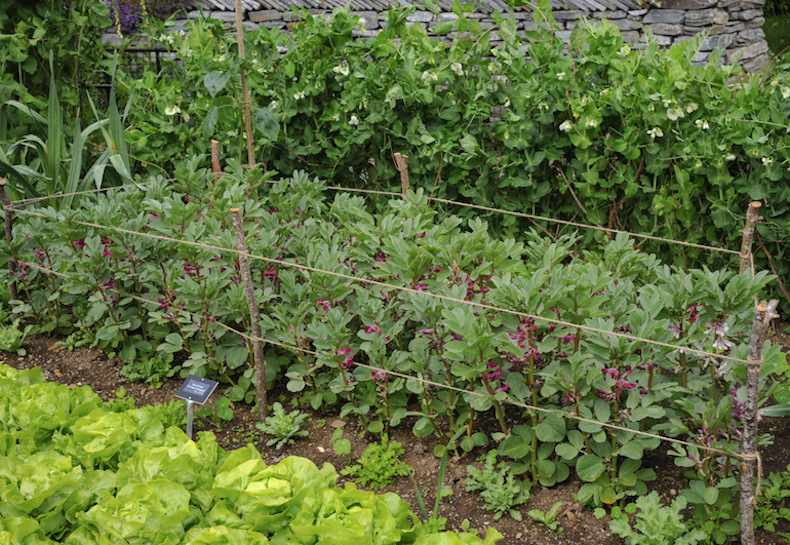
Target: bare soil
<point>84,366</point>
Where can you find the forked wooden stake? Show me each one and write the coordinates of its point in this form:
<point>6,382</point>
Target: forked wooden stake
<point>255,315</point>
<point>402,164</point>
<point>752,215</point>
<point>9,238</point>
<point>765,313</point>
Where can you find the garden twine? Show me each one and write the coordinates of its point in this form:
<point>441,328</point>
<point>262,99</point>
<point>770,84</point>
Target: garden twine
<point>398,288</point>
<point>421,380</point>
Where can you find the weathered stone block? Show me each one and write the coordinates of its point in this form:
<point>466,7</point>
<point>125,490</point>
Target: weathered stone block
<point>701,57</point>
<point>672,16</point>
<point>618,14</point>
<point>757,63</point>
<point>746,53</point>
<point>564,35</point>
<point>369,18</point>
<point>663,41</point>
<point>530,26</point>
<point>757,22</point>
<point>690,4</point>
<point>694,29</point>
<point>627,24</point>
<point>749,14</point>
<point>750,35</point>
<point>706,17</point>
<point>637,12</point>
<point>733,27</point>
<point>666,29</point>
<point>264,15</point>
<point>273,24</point>
<point>727,3</point>
<point>630,36</point>
<point>447,18</point>
<point>421,17</point>
<point>227,16</point>
<point>567,16</point>
<point>721,41</point>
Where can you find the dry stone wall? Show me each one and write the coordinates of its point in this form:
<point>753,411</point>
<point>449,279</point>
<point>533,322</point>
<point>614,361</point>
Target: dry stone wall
<point>734,26</point>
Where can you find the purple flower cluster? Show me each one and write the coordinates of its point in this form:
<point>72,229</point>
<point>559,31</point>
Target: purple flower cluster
<point>131,12</point>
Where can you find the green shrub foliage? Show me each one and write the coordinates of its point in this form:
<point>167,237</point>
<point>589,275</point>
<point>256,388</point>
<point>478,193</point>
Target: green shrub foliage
<point>641,140</point>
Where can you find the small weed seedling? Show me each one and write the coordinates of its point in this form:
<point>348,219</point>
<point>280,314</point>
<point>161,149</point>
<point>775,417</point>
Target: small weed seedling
<point>154,369</point>
<point>121,403</point>
<point>549,519</point>
<point>219,413</point>
<point>283,426</point>
<point>379,464</point>
<point>766,514</point>
<point>342,446</point>
<point>172,413</point>
<point>655,524</point>
<point>499,488</point>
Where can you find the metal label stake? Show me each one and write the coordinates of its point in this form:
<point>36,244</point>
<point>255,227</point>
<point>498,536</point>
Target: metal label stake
<point>195,390</point>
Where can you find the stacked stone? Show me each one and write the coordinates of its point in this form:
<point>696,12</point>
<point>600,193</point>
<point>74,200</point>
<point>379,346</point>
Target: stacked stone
<point>733,26</point>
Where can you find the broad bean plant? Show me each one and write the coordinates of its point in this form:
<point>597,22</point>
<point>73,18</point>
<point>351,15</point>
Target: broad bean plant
<point>349,302</point>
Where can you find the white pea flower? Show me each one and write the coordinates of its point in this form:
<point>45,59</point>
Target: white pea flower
<point>507,103</point>
<point>767,161</point>
<point>730,157</point>
<point>181,33</point>
<point>273,105</point>
<point>341,69</point>
<point>458,68</point>
<point>188,53</point>
<point>299,95</point>
<point>566,126</point>
<point>624,51</point>
<point>702,124</point>
<point>666,102</point>
<point>587,100</point>
<point>172,110</point>
<point>591,123</point>
<point>675,113</point>
<point>353,121</point>
<point>692,107</point>
<point>428,77</point>
<point>543,106</point>
<point>655,132</point>
<point>560,76</point>
<point>336,117</point>
<point>785,92</point>
<point>221,58</point>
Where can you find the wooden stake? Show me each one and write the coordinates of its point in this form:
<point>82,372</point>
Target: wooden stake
<point>215,160</point>
<point>765,313</point>
<point>9,238</point>
<point>402,164</point>
<point>245,92</point>
<point>752,215</point>
<point>255,315</point>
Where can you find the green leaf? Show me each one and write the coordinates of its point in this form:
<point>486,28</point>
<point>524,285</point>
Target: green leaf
<point>265,122</point>
<point>589,467</point>
<point>214,82</point>
<point>552,429</point>
<point>632,449</point>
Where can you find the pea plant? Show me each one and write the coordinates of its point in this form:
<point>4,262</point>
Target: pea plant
<point>637,139</point>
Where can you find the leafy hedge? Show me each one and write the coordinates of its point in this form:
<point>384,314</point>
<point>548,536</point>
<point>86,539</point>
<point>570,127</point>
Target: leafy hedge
<point>777,7</point>
<point>72,471</point>
<point>635,139</point>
